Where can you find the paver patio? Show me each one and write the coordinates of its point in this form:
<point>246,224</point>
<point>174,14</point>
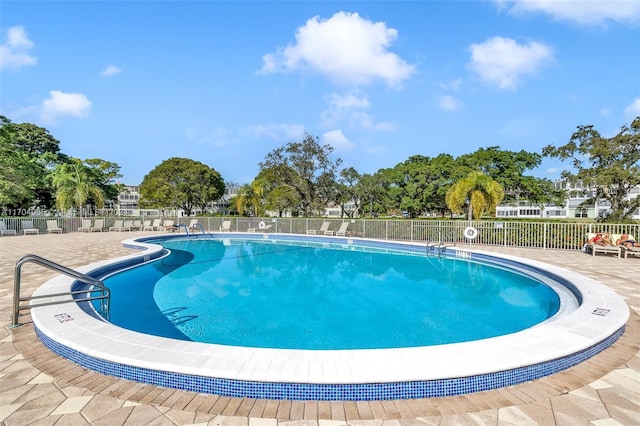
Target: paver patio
<point>39,387</point>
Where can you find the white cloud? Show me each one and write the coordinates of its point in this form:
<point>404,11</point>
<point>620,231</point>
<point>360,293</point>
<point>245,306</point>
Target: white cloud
<point>584,12</point>
<point>110,70</point>
<point>337,140</point>
<point>278,132</point>
<point>632,110</point>
<point>453,85</point>
<point>449,103</point>
<point>348,109</point>
<point>363,120</point>
<point>340,107</point>
<point>345,48</point>
<point>504,62</point>
<point>14,50</point>
<point>61,104</point>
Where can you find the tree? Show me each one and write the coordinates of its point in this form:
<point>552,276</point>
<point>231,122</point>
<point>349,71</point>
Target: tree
<point>74,186</point>
<point>250,198</point>
<point>348,190</point>
<point>508,169</point>
<point>611,165</point>
<point>17,186</point>
<point>419,184</point>
<point>426,181</point>
<point>372,191</point>
<point>103,174</point>
<point>275,193</point>
<point>27,154</point>
<point>307,168</point>
<point>481,193</point>
<point>181,183</point>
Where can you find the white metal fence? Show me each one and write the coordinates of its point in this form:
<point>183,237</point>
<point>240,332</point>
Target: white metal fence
<point>547,235</point>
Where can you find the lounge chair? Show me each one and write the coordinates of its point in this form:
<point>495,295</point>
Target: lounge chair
<point>4,231</point>
<point>193,225</point>
<point>169,225</point>
<point>136,225</point>
<point>262,227</point>
<point>28,228</point>
<point>630,251</point>
<point>118,225</point>
<point>98,226</point>
<point>594,248</point>
<point>86,226</point>
<point>226,226</point>
<point>626,251</point>
<point>147,226</point>
<point>323,228</point>
<point>53,228</point>
<point>341,232</point>
<point>156,225</point>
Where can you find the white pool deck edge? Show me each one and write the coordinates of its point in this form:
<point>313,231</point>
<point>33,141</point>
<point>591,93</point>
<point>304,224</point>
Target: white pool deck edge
<point>550,340</point>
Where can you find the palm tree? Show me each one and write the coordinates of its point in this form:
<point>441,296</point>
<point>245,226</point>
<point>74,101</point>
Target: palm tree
<point>481,192</point>
<point>250,198</point>
<point>74,187</point>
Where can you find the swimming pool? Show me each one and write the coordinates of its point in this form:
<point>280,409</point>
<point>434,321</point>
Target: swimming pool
<point>360,374</point>
<point>312,295</point>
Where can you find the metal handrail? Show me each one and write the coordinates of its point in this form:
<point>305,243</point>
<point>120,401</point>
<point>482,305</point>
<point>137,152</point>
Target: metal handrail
<point>183,225</point>
<point>104,297</point>
<point>186,227</point>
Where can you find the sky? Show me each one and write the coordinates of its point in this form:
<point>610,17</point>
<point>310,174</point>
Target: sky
<point>226,82</point>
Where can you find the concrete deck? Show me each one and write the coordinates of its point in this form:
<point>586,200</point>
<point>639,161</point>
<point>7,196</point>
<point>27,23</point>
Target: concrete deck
<point>39,387</point>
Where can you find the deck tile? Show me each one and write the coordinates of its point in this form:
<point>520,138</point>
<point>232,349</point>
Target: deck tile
<point>602,390</point>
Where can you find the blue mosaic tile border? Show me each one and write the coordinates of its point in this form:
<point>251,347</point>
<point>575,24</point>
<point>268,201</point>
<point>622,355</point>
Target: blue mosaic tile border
<point>328,392</point>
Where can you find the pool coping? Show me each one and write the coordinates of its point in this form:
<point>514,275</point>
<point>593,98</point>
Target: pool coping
<point>486,364</point>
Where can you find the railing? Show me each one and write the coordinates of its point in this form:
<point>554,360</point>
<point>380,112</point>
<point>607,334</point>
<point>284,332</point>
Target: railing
<point>533,234</point>
<point>104,296</point>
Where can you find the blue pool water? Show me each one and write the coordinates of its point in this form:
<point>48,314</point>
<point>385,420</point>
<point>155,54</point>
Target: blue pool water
<point>301,295</point>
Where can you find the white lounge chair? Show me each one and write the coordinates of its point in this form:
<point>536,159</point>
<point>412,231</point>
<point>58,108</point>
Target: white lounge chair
<point>193,225</point>
<point>5,231</point>
<point>147,226</point>
<point>86,226</point>
<point>136,225</point>
<point>226,226</point>
<point>118,225</point>
<point>98,226</point>
<point>262,227</point>
<point>169,225</point>
<point>626,250</point>
<point>629,251</point>
<point>341,232</point>
<point>156,225</point>
<point>323,228</point>
<point>594,248</point>
<point>28,228</point>
<point>53,228</point>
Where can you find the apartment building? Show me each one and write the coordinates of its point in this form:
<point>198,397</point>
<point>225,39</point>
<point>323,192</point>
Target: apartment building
<point>572,208</point>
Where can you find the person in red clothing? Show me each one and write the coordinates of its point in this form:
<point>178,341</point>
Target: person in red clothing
<point>601,239</point>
